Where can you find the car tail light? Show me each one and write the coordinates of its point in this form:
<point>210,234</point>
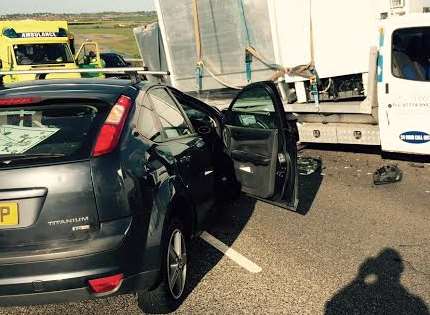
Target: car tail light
<point>13,101</point>
<point>111,130</point>
<point>106,285</point>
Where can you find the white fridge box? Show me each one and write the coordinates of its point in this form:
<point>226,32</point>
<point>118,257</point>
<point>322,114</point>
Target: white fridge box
<point>340,32</point>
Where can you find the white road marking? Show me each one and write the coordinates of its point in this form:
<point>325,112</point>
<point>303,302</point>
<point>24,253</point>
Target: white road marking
<point>231,253</point>
<point>246,169</point>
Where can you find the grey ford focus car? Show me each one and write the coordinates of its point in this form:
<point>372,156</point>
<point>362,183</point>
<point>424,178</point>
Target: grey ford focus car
<point>105,182</point>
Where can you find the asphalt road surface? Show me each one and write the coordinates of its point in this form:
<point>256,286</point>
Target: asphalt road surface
<point>352,248</point>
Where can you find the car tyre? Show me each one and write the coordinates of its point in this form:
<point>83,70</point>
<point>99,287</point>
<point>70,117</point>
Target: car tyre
<point>169,294</point>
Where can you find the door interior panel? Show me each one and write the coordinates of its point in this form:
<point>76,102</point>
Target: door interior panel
<point>254,154</point>
<point>256,159</point>
<point>261,142</point>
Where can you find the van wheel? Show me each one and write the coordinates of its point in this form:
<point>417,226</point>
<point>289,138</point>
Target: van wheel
<point>169,294</point>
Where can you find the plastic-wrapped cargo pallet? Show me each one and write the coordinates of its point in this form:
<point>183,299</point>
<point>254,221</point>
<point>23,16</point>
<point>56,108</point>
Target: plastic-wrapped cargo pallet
<point>226,28</point>
<point>151,48</point>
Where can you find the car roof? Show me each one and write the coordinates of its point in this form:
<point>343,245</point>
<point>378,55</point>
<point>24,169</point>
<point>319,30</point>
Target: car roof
<point>107,90</point>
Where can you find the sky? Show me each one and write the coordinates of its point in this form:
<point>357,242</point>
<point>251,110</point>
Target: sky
<point>74,6</point>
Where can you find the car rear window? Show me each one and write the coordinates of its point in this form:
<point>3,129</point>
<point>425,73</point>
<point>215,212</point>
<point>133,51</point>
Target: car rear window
<point>48,133</point>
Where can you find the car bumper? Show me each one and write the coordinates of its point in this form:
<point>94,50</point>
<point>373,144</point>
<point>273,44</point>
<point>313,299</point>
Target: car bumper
<point>129,285</point>
<point>58,277</point>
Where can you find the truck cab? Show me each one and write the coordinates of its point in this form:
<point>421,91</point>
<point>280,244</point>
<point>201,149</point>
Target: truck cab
<point>404,84</point>
<point>35,45</point>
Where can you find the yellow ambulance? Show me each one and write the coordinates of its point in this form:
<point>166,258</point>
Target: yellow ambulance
<point>41,45</point>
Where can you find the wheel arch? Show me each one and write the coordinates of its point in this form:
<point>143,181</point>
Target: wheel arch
<point>182,207</point>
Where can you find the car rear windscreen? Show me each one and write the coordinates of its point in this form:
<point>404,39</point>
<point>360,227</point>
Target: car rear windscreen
<point>48,133</point>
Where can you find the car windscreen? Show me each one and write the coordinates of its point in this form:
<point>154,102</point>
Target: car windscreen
<point>48,133</point>
<point>36,54</point>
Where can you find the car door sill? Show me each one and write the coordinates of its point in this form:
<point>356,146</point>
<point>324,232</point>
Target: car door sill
<point>275,203</point>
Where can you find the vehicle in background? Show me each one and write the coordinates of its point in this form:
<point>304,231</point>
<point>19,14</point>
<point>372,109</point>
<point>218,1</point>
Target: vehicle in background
<point>106,181</point>
<point>113,60</point>
<point>366,83</point>
<point>37,45</point>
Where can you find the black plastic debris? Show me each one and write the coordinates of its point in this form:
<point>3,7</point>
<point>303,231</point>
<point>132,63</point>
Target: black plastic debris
<point>387,175</point>
<point>308,166</point>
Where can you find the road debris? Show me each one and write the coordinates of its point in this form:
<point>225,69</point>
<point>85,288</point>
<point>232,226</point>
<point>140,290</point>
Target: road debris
<point>308,165</point>
<point>387,175</point>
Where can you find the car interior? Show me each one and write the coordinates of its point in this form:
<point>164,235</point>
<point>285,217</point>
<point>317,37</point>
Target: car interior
<point>210,130</point>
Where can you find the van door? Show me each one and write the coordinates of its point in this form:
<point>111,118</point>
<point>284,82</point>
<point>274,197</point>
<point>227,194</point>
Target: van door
<point>262,144</point>
<point>8,64</point>
<point>403,85</point>
<point>88,57</point>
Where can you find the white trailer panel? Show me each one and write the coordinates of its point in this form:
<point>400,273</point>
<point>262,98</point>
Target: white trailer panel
<point>342,40</point>
<point>291,31</point>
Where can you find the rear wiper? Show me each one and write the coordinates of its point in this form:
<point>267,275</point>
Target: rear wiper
<point>20,157</point>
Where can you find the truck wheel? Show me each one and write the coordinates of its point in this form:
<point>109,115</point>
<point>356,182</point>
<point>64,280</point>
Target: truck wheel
<point>169,294</point>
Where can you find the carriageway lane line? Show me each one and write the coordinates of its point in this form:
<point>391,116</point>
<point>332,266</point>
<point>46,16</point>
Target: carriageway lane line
<point>231,253</point>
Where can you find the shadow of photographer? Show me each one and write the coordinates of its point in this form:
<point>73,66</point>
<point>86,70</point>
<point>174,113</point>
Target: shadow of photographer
<point>377,289</point>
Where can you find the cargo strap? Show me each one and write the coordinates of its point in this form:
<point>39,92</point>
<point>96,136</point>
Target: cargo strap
<point>201,65</point>
<point>250,51</point>
<point>197,33</point>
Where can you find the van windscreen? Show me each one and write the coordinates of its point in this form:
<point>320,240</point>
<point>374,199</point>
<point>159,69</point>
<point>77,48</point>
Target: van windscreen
<point>37,54</point>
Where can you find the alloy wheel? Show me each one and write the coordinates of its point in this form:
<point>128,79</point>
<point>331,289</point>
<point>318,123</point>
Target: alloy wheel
<point>176,264</point>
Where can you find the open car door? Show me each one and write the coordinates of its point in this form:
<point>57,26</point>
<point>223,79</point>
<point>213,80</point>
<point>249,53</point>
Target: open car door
<point>263,145</point>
